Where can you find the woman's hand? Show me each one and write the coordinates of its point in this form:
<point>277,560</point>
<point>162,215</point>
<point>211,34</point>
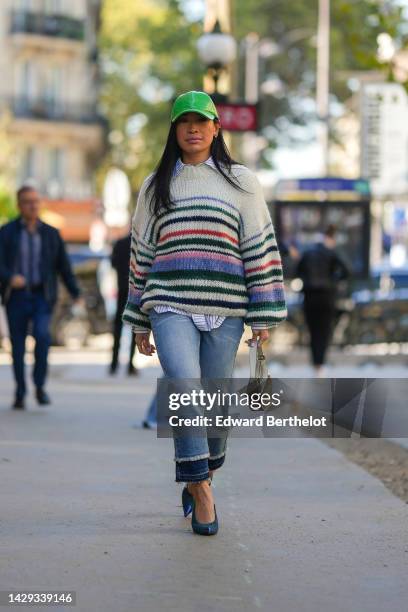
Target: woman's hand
<point>143,344</point>
<point>258,336</point>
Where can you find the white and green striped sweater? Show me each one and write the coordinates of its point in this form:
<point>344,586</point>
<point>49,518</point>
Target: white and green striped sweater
<point>214,252</point>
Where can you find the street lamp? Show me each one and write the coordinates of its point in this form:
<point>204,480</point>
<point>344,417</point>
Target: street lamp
<point>216,49</point>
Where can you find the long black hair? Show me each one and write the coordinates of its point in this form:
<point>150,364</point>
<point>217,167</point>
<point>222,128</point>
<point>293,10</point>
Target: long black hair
<point>160,181</point>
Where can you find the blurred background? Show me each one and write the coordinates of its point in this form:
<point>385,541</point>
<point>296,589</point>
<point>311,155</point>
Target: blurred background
<point>312,96</point>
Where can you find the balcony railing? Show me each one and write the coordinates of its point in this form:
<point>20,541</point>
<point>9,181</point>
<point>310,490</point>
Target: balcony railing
<point>57,26</point>
<point>53,110</point>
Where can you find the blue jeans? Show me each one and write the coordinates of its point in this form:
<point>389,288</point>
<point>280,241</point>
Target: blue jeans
<point>186,352</point>
<point>23,307</point>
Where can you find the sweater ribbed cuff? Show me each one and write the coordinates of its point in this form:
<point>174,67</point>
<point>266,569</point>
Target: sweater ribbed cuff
<point>140,330</point>
<point>260,326</point>
<point>138,320</point>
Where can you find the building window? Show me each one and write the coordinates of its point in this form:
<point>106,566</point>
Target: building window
<point>26,80</point>
<point>53,89</point>
<point>27,172</point>
<point>56,172</point>
<point>56,166</point>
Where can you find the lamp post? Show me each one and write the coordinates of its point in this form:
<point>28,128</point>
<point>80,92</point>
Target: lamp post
<point>323,81</point>
<point>255,48</point>
<point>216,49</point>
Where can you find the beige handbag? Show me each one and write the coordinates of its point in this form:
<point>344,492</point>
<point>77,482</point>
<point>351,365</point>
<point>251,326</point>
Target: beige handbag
<point>260,381</point>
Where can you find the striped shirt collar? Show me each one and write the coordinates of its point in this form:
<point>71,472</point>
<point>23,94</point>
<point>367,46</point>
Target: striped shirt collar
<point>179,165</point>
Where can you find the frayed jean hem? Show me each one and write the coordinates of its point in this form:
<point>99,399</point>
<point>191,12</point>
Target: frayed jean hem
<point>197,470</point>
<point>192,471</point>
<point>214,464</point>
<point>193,458</point>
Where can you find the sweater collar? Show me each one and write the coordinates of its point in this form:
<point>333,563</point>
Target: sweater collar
<point>179,165</point>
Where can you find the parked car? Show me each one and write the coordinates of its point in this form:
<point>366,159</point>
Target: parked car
<point>380,312</point>
<point>70,326</point>
<point>374,310</point>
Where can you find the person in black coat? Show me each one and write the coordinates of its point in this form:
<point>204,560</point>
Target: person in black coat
<point>320,268</point>
<point>120,260</point>
<point>32,256</point>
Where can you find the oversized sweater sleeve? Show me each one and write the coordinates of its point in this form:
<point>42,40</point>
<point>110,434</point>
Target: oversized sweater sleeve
<point>142,252</point>
<point>261,259</point>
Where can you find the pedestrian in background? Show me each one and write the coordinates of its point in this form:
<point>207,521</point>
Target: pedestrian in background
<point>204,260</point>
<point>120,260</point>
<point>320,268</point>
<point>32,255</point>
<point>150,420</point>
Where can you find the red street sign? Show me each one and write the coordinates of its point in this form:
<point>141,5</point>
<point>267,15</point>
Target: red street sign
<point>238,117</point>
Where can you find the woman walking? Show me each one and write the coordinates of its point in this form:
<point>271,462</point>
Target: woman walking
<point>204,261</point>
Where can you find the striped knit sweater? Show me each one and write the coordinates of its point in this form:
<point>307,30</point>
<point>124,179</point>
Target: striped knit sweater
<point>214,252</point>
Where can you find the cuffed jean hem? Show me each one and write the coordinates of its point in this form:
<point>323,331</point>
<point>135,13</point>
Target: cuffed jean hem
<point>192,471</point>
<point>198,469</point>
<point>214,464</point>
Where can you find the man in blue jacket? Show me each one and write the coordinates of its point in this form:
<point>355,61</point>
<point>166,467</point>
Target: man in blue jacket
<point>32,255</point>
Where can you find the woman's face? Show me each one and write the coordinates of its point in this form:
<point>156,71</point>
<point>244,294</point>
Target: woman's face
<point>195,132</point>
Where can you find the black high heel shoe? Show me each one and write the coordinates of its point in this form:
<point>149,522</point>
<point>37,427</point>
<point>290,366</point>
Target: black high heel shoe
<point>187,499</point>
<point>204,528</point>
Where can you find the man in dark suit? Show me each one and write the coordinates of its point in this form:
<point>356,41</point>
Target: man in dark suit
<point>32,255</point>
<point>321,269</point>
<point>120,260</point>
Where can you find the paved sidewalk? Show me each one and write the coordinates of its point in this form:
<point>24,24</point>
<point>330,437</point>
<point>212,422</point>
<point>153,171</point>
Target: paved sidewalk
<point>89,503</point>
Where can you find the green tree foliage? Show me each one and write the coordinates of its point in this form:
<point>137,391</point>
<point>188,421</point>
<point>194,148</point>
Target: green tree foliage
<point>148,56</point>
<point>148,53</point>
<point>355,25</point>
<point>7,161</point>
<point>8,208</point>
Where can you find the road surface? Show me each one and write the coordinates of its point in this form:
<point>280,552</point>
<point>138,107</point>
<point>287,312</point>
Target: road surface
<point>89,503</point>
